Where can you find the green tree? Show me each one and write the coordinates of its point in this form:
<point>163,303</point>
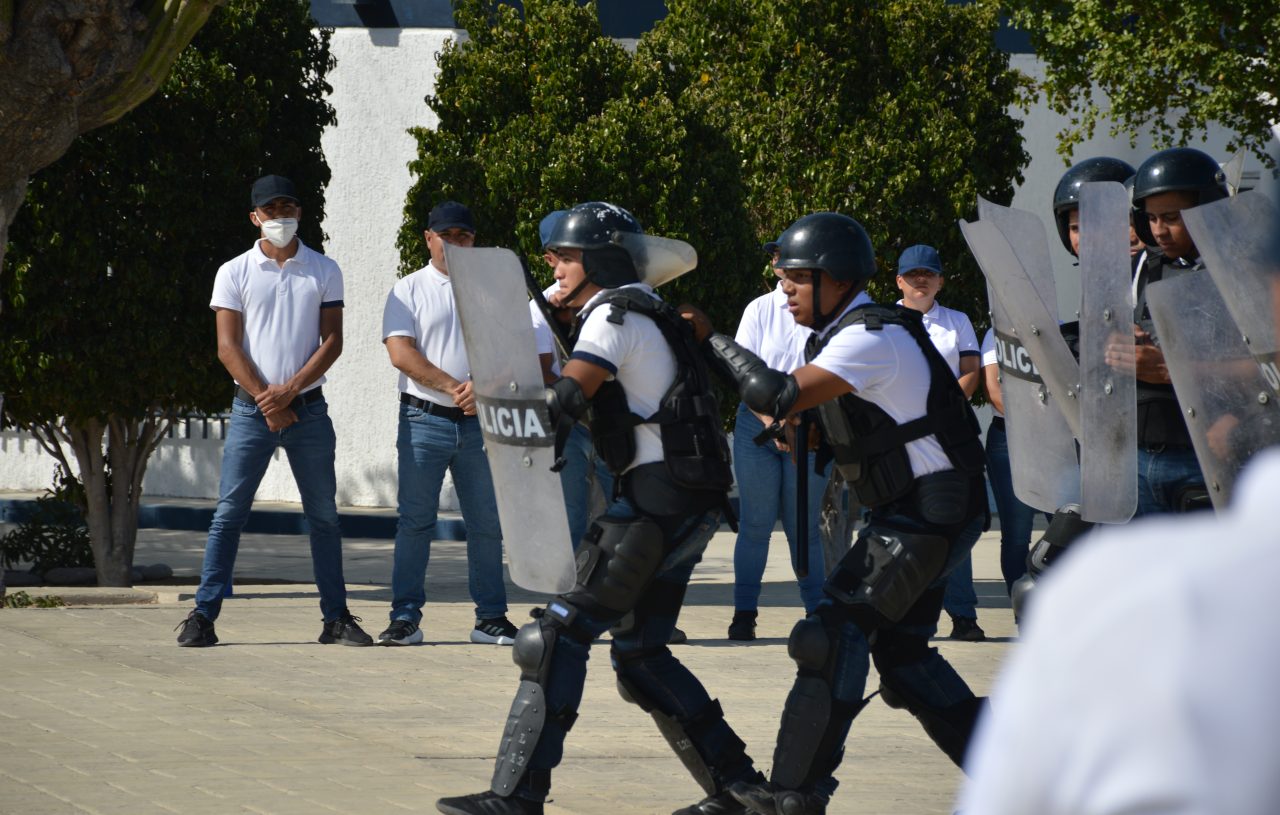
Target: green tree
<point>1166,70</point>
<point>71,66</point>
<point>541,112</point>
<point>897,113</point>
<point>107,334</point>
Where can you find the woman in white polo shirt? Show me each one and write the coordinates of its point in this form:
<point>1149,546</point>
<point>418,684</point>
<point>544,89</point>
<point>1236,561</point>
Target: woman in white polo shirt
<point>920,280</point>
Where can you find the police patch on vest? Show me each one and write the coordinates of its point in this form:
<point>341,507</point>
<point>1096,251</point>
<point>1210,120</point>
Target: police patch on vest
<point>517,422</point>
<point>1015,360</point>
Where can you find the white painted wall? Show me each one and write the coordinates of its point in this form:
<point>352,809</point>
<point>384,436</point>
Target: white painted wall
<point>379,85</point>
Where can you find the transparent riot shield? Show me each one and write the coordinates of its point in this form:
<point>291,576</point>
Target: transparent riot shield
<point>659,260</point>
<point>489,288</point>
<point>1228,402</point>
<point>1239,242</point>
<point>1108,390</point>
<point>1042,453</point>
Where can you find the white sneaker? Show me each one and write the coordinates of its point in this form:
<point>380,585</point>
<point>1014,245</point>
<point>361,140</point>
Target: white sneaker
<point>494,631</point>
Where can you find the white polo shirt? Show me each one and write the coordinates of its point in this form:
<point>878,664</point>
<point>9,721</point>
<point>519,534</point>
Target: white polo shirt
<point>770,332</point>
<point>1145,681</point>
<point>638,357</point>
<point>952,334</point>
<point>543,340</point>
<point>990,356</point>
<point>886,368</point>
<point>281,307</point>
<point>421,306</point>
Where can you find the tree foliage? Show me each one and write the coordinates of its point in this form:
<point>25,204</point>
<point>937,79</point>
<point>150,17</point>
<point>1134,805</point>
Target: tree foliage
<point>897,113</point>
<point>1167,70</point>
<point>541,113</point>
<point>732,119</point>
<point>107,333</point>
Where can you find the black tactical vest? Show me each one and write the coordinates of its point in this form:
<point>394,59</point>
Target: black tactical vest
<point>1160,420</point>
<point>868,446</point>
<point>694,447</point>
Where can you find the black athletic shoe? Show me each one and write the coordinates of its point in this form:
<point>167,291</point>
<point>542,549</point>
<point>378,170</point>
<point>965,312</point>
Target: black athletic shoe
<point>722,803</point>
<point>677,637</point>
<point>494,631</point>
<point>743,626</point>
<point>488,803</point>
<point>401,632</point>
<point>345,631</point>
<point>197,631</point>
<point>966,629</point>
<point>763,799</point>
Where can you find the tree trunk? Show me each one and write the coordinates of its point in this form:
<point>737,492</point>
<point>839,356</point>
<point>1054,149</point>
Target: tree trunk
<point>11,197</point>
<point>86,440</point>
<point>74,65</point>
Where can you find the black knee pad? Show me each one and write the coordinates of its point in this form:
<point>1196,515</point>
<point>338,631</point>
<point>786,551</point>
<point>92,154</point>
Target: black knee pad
<point>887,570</point>
<point>616,561</point>
<point>810,643</point>
<point>531,652</point>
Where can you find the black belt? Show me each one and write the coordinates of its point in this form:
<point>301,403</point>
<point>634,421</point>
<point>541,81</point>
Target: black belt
<point>313,395</point>
<point>453,414</point>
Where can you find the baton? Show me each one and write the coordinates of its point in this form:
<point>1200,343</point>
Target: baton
<point>802,496</point>
<point>558,331</point>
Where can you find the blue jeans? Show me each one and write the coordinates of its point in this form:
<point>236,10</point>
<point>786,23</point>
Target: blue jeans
<point>309,444</point>
<point>902,654</point>
<point>639,653</point>
<point>575,480</point>
<point>960,600</point>
<point>1016,518</point>
<point>1162,477</point>
<point>426,446</point>
<point>767,491</point>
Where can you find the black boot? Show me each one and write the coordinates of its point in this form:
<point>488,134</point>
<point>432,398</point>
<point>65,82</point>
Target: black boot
<point>743,627</point>
<point>722,803</point>
<point>763,799</point>
<point>488,803</point>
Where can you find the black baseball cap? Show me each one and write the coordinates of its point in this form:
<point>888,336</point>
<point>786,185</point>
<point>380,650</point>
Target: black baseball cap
<point>450,215</point>
<point>269,188</point>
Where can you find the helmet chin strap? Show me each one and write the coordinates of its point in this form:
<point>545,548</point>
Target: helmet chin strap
<point>821,321</point>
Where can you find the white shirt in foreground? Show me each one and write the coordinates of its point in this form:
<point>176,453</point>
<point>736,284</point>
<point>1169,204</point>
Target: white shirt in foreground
<point>886,368</point>
<point>280,306</point>
<point>637,355</point>
<point>1147,679</point>
<point>421,306</point>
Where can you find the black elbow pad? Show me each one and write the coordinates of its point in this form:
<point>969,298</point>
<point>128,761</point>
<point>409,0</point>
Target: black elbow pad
<point>565,398</point>
<point>769,392</point>
<point>763,389</point>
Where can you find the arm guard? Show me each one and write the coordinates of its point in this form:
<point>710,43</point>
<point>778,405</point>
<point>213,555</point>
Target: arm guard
<point>566,399</point>
<point>763,389</point>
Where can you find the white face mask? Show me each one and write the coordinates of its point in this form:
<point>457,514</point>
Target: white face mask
<point>279,231</point>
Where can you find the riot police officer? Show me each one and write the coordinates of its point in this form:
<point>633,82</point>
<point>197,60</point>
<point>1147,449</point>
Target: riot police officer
<point>902,434</point>
<point>636,372</point>
<point>1066,198</point>
<point>1169,478</point>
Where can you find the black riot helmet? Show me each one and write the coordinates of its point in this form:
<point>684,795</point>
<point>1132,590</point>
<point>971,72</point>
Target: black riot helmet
<point>593,227</point>
<point>1179,169</point>
<point>1066,196</point>
<point>832,243</point>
